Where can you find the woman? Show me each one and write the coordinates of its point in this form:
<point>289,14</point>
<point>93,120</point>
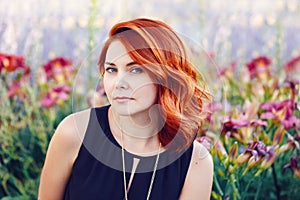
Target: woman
<point>141,146</point>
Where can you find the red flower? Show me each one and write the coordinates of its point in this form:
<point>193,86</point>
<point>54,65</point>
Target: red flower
<point>258,67</point>
<point>15,65</point>
<point>59,69</point>
<point>292,67</point>
<point>11,63</point>
<point>56,96</point>
<point>228,70</point>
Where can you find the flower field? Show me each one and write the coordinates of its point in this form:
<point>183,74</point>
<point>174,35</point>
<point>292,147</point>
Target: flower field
<point>252,131</point>
<point>249,56</point>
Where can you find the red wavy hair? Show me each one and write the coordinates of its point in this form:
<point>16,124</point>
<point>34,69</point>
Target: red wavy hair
<point>158,48</point>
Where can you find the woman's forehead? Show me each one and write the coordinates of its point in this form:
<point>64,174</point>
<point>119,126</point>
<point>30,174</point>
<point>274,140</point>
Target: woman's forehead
<point>117,51</point>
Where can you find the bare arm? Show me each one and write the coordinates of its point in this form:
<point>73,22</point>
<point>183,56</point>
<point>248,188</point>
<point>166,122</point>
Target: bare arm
<point>62,152</point>
<point>198,182</point>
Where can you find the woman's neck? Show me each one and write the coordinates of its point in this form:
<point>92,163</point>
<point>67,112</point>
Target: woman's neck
<point>138,133</point>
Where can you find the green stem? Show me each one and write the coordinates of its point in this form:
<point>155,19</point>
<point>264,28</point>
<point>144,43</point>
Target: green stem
<point>3,81</point>
<point>91,38</point>
<point>216,182</point>
<point>277,188</point>
<point>248,185</point>
<point>236,194</point>
<point>259,187</point>
<point>278,43</point>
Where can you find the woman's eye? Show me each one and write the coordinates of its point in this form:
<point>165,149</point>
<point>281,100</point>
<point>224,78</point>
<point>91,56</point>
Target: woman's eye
<point>137,70</point>
<point>110,69</point>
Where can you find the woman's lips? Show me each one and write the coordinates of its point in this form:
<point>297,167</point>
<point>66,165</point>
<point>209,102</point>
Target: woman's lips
<point>123,99</point>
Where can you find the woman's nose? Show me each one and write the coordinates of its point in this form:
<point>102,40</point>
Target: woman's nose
<point>122,81</point>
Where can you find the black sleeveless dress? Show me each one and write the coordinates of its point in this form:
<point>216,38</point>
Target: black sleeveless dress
<point>97,172</point>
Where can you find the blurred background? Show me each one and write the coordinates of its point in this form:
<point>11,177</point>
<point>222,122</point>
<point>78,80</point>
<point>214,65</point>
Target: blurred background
<point>41,29</point>
<point>248,52</point>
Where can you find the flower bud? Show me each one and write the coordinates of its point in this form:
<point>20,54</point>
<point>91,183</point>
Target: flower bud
<point>243,158</point>
<point>233,152</point>
<point>268,161</point>
<point>254,161</point>
<point>297,172</point>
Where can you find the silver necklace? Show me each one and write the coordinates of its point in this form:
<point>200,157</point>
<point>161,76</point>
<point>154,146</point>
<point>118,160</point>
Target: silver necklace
<point>153,174</point>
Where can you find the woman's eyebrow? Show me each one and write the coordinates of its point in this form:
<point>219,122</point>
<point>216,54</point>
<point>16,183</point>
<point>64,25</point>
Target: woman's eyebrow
<point>131,63</point>
<point>127,65</point>
<point>109,63</point>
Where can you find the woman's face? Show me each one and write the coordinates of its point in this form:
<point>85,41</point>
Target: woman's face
<point>128,86</point>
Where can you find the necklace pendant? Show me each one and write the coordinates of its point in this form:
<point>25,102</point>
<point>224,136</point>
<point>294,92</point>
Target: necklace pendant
<point>134,167</point>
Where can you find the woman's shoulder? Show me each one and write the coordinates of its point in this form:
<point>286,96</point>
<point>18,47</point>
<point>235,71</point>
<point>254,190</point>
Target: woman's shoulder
<point>200,153</point>
<point>198,183</point>
<point>61,154</point>
<point>72,128</point>
<point>201,160</point>
<point>75,120</point>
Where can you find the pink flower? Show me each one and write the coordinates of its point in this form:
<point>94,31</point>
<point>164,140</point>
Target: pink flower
<point>293,164</point>
<point>211,108</point>
<point>56,96</point>
<point>258,122</point>
<point>97,98</point>
<point>15,87</point>
<point>227,71</point>
<point>205,141</point>
<point>269,158</point>
<point>259,67</point>
<point>231,126</point>
<point>291,144</point>
<point>256,152</point>
<point>292,84</point>
<point>281,111</point>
